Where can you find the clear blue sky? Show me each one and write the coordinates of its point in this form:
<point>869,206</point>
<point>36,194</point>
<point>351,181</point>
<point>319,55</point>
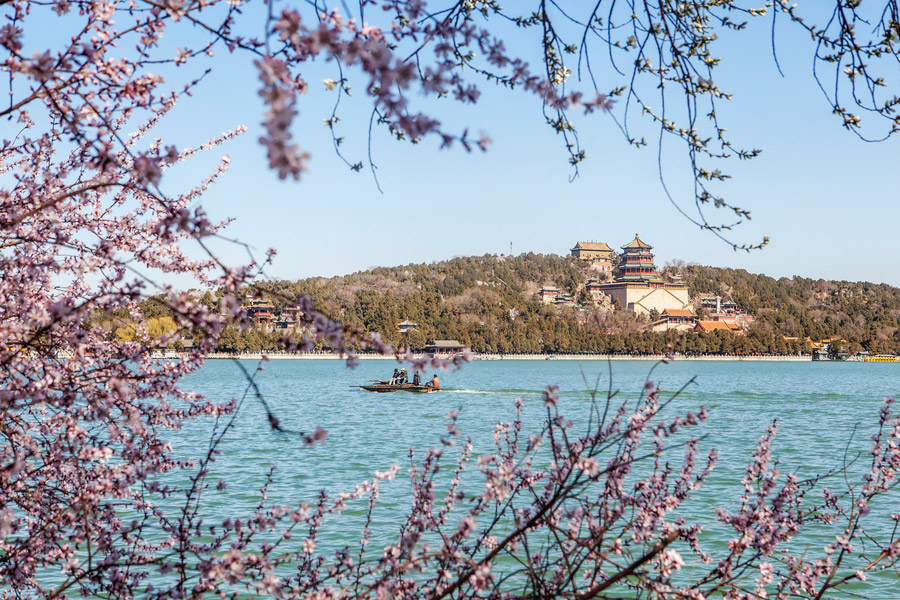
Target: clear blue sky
<point>827,200</point>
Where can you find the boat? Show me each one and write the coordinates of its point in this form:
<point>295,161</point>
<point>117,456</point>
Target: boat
<point>882,358</point>
<point>382,387</point>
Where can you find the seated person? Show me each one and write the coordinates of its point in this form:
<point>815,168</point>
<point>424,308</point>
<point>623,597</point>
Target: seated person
<point>434,383</point>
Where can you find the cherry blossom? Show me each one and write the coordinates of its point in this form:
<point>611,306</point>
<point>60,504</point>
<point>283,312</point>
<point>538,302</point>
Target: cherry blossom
<point>553,509</point>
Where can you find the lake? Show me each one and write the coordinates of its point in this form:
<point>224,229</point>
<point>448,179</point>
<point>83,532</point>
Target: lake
<point>819,407</point>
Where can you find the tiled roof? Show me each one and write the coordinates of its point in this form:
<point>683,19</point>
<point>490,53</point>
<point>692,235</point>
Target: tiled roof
<point>592,246</point>
<point>639,278</point>
<point>445,344</point>
<point>636,243</point>
<point>712,326</point>
<point>678,312</point>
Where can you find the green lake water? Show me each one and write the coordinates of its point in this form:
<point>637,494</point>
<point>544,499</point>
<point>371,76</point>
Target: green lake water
<point>819,407</point>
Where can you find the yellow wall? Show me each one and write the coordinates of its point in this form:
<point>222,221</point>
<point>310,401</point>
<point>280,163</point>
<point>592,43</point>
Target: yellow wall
<point>590,254</point>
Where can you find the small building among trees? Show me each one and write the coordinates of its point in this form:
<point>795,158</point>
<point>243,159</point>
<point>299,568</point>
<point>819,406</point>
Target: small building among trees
<point>707,326</point>
<point>679,319</point>
<point>548,294</point>
<point>444,347</point>
<point>405,326</point>
<point>260,312</point>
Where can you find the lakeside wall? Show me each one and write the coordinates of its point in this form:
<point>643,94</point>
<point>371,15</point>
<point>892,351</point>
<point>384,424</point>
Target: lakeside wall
<point>647,357</point>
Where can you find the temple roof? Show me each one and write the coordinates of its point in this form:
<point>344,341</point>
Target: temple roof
<point>637,243</point>
<point>640,280</point>
<point>444,344</point>
<point>592,246</point>
<point>712,326</point>
<point>678,312</point>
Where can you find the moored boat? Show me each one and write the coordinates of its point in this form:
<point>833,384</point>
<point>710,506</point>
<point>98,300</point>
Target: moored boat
<point>882,358</point>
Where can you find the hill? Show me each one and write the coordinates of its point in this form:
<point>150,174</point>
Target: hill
<point>487,302</point>
<point>866,314</point>
<point>490,303</point>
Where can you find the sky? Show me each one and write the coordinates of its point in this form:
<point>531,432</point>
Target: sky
<point>827,200</point>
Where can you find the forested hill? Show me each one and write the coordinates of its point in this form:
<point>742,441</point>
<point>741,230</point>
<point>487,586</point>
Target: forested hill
<point>491,304</point>
<point>864,313</point>
<point>488,302</point>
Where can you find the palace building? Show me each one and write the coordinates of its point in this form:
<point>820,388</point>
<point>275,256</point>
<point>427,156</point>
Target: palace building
<point>679,319</point>
<point>260,311</point>
<point>548,294</point>
<point>598,253</point>
<point>448,347</point>
<point>638,286</point>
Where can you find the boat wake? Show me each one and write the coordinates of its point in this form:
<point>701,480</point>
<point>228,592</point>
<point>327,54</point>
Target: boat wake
<point>493,392</point>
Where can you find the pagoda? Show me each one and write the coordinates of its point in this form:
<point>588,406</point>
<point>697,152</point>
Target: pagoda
<point>638,287</point>
<point>636,264</point>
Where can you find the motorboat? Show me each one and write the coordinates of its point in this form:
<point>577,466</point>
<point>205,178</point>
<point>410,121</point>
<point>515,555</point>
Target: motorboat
<point>382,387</point>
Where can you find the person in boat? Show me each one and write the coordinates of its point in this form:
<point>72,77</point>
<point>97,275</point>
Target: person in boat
<point>434,383</point>
<point>395,377</point>
<point>403,377</point>
<point>416,379</point>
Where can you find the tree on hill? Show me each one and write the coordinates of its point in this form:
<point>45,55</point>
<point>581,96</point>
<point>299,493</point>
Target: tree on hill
<point>492,315</point>
<point>803,307</point>
<point>415,340</point>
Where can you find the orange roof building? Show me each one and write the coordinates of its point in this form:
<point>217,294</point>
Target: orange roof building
<point>679,319</point>
<point>712,326</point>
<point>702,326</point>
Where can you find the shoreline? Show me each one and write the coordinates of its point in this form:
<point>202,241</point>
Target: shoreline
<point>569,357</point>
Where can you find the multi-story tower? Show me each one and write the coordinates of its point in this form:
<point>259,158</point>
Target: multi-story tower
<point>638,286</point>
<point>636,264</point>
